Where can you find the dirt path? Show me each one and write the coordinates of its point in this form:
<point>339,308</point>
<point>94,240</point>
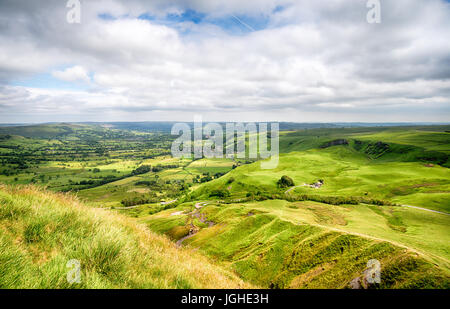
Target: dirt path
<point>179,243</point>
<point>169,202</point>
<point>426,209</point>
<point>425,255</point>
<point>292,188</point>
<point>201,217</point>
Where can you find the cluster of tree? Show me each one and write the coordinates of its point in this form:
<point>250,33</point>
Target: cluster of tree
<point>159,168</point>
<point>91,183</point>
<point>220,193</point>
<point>147,183</point>
<point>207,177</point>
<point>331,200</point>
<point>139,200</point>
<point>339,200</point>
<point>141,170</point>
<point>7,172</point>
<point>285,182</point>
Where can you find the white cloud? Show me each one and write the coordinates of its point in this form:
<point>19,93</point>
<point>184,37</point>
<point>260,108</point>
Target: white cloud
<point>73,74</point>
<point>315,61</point>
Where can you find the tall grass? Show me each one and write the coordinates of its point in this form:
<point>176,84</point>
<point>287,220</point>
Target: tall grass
<point>41,231</point>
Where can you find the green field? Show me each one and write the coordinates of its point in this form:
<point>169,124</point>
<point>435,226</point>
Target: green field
<point>356,194</point>
<point>307,244</point>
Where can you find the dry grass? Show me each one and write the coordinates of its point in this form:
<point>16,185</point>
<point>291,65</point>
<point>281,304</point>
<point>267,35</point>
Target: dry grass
<point>41,231</point>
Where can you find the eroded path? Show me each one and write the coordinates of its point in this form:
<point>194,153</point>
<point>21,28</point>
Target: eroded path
<point>427,255</point>
<point>426,209</point>
<point>201,217</point>
<point>292,188</point>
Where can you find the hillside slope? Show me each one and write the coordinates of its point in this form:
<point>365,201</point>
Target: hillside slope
<point>276,244</point>
<point>41,231</point>
<point>427,144</point>
<point>346,174</point>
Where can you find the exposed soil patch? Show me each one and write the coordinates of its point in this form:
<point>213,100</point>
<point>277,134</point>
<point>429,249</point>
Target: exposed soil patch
<point>192,228</point>
<point>192,231</point>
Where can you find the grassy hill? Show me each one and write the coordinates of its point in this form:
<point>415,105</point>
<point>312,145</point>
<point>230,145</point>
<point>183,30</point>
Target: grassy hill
<point>298,236</point>
<point>43,130</point>
<point>428,144</point>
<point>309,237</point>
<point>41,231</point>
<point>277,244</point>
<point>346,173</point>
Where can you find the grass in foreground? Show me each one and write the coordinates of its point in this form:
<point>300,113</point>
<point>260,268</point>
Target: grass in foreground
<point>41,231</point>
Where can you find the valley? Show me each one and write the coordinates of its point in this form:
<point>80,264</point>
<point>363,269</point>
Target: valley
<point>349,195</point>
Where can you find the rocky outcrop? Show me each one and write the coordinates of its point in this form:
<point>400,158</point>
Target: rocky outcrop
<point>336,142</point>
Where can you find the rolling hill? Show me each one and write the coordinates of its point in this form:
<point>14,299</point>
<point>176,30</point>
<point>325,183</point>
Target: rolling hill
<point>383,194</point>
<point>41,231</point>
<point>277,244</point>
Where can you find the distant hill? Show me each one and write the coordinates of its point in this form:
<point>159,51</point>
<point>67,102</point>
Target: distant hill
<point>41,130</point>
<point>405,144</point>
<point>166,126</point>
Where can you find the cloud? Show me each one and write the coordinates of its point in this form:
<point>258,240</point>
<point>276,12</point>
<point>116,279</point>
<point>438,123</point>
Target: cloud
<point>73,74</point>
<point>307,61</point>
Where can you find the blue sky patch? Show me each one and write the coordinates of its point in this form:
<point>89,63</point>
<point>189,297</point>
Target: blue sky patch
<point>233,24</point>
<point>106,16</point>
<point>48,81</point>
<point>188,15</point>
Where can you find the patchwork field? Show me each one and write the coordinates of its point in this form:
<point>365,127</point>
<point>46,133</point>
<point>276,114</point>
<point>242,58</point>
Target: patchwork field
<point>338,198</point>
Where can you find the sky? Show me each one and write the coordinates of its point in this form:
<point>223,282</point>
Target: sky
<point>234,60</point>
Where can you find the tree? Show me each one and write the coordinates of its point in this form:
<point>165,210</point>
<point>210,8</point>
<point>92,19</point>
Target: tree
<point>219,193</point>
<point>142,170</point>
<point>285,181</point>
<point>230,180</point>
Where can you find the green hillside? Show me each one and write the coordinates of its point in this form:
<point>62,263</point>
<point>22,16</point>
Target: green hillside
<point>346,174</point>
<point>276,244</point>
<point>306,235</point>
<point>41,231</point>
<point>348,195</point>
<point>429,144</point>
<point>45,130</point>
